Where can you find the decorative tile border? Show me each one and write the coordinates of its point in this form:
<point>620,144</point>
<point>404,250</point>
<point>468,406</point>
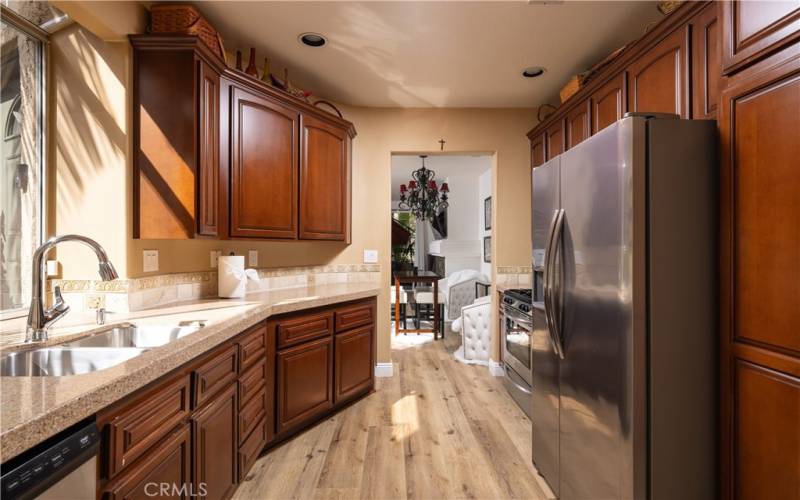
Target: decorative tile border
<point>137,294</point>
<point>514,276</point>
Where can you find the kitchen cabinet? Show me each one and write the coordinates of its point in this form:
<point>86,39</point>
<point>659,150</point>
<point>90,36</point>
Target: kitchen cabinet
<point>215,447</point>
<point>305,383</point>
<point>324,181</point>
<point>353,363</point>
<point>759,119</point>
<point>168,464</point>
<point>175,137</point>
<point>609,102</point>
<point>203,426</point>
<point>706,63</point>
<point>537,150</point>
<point>218,154</point>
<point>753,30</point>
<point>264,156</point>
<point>578,124</point>
<point>554,136</point>
<point>658,79</point>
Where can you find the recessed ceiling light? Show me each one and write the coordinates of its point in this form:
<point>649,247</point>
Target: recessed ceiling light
<point>533,71</point>
<point>312,39</point>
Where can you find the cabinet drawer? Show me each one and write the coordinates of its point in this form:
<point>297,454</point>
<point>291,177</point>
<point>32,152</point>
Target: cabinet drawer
<point>251,414</point>
<point>248,452</point>
<point>168,463</point>
<point>214,374</point>
<point>296,330</point>
<point>252,346</point>
<point>144,421</point>
<point>252,382</point>
<point>353,316</point>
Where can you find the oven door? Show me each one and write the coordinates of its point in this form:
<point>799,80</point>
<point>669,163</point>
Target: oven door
<point>517,342</point>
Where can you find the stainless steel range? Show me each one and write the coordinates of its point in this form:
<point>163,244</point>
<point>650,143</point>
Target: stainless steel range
<point>517,325</point>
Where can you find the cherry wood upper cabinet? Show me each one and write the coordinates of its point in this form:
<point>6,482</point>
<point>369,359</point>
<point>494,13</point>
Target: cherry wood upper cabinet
<point>752,30</point>
<point>263,170</point>
<point>208,143</point>
<point>659,78</point>
<point>759,119</point>
<point>706,63</point>
<point>537,150</point>
<point>324,181</point>
<point>175,138</point>
<point>555,139</point>
<point>578,124</point>
<point>608,103</point>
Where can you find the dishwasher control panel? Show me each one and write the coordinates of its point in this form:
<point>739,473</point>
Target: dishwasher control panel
<point>34,471</point>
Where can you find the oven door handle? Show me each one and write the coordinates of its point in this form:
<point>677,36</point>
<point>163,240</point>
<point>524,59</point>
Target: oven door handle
<point>516,384</point>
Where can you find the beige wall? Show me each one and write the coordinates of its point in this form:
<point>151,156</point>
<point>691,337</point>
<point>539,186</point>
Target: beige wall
<point>92,173</point>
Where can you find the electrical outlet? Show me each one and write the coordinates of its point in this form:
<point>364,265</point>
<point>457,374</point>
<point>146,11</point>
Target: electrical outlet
<point>149,261</point>
<point>215,258</point>
<point>52,268</point>
<point>252,258</point>
<point>370,256</point>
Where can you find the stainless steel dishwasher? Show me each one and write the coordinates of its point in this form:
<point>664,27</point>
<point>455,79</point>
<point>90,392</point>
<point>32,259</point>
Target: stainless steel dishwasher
<point>63,467</point>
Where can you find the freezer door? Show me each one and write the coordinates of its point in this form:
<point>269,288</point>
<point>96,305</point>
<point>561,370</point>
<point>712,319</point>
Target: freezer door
<point>544,362</point>
<point>596,459</point>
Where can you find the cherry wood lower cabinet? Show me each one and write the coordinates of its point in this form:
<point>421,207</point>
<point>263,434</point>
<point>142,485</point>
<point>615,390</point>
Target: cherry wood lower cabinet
<point>165,472</point>
<point>197,431</point>
<point>215,446</point>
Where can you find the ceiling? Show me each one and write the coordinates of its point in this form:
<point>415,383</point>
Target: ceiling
<point>431,54</point>
<point>444,165</point>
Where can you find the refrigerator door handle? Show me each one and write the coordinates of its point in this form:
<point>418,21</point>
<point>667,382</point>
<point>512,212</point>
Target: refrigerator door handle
<point>557,287</point>
<point>550,312</point>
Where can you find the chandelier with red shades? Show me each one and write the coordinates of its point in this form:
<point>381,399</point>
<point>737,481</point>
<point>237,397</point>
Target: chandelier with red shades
<point>422,196</point>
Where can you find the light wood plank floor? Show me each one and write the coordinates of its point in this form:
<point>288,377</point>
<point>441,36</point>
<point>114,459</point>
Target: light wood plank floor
<point>437,429</point>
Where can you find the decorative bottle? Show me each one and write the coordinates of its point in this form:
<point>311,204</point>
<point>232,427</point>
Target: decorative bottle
<point>251,65</point>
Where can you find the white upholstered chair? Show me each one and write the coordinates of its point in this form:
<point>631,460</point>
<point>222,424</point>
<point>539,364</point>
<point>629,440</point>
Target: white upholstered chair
<point>424,301</point>
<point>475,326</point>
<point>403,303</point>
<point>459,291</point>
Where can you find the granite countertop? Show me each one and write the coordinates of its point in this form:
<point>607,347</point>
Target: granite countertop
<point>36,408</point>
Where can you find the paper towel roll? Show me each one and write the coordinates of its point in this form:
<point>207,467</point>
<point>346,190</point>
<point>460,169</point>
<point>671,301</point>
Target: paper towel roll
<point>231,279</point>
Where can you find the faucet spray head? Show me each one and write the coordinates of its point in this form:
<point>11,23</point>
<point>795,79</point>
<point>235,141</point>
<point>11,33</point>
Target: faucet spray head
<point>107,271</point>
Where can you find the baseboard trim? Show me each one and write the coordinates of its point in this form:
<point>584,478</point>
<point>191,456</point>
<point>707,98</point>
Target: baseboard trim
<point>496,369</point>
<point>384,369</point>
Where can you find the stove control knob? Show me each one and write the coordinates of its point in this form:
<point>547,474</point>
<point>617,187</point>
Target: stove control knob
<point>525,307</point>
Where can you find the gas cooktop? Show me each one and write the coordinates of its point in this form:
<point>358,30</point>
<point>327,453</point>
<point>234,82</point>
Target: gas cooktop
<point>519,299</point>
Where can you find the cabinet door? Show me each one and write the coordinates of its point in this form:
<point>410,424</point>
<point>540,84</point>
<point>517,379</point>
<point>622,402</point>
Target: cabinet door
<point>353,363</point>
<point>706,63</point>
<point>215,447</point>
<point>752,30</point>
<point>208,144</point>
<point>555,139</point>
<point>305,383</point>
<point>263,167</point>
<point>537,150</point>
<point>609,102</point>
<point>578,124</point>
<point>760,282</point>
<point>659,77</point>
<point>324,181</point>
<point>165,472</point>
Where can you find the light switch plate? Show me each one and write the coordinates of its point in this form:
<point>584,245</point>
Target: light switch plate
<point>370,256</point>
<point>52,268</point>
<point>252,258</point>
<point>149,261</point>
<point>215,258</point>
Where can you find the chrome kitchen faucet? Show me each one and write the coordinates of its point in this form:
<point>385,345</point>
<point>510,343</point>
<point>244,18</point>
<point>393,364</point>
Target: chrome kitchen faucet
<point>39,318</point>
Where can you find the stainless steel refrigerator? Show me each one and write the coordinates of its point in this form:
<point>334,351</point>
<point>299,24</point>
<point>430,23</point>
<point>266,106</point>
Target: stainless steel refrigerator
<point>623,346</point>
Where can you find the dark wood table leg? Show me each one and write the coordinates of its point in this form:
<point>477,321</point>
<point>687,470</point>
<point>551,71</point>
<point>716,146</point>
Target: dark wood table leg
<point>436,309</point>
<point>396,307</point>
